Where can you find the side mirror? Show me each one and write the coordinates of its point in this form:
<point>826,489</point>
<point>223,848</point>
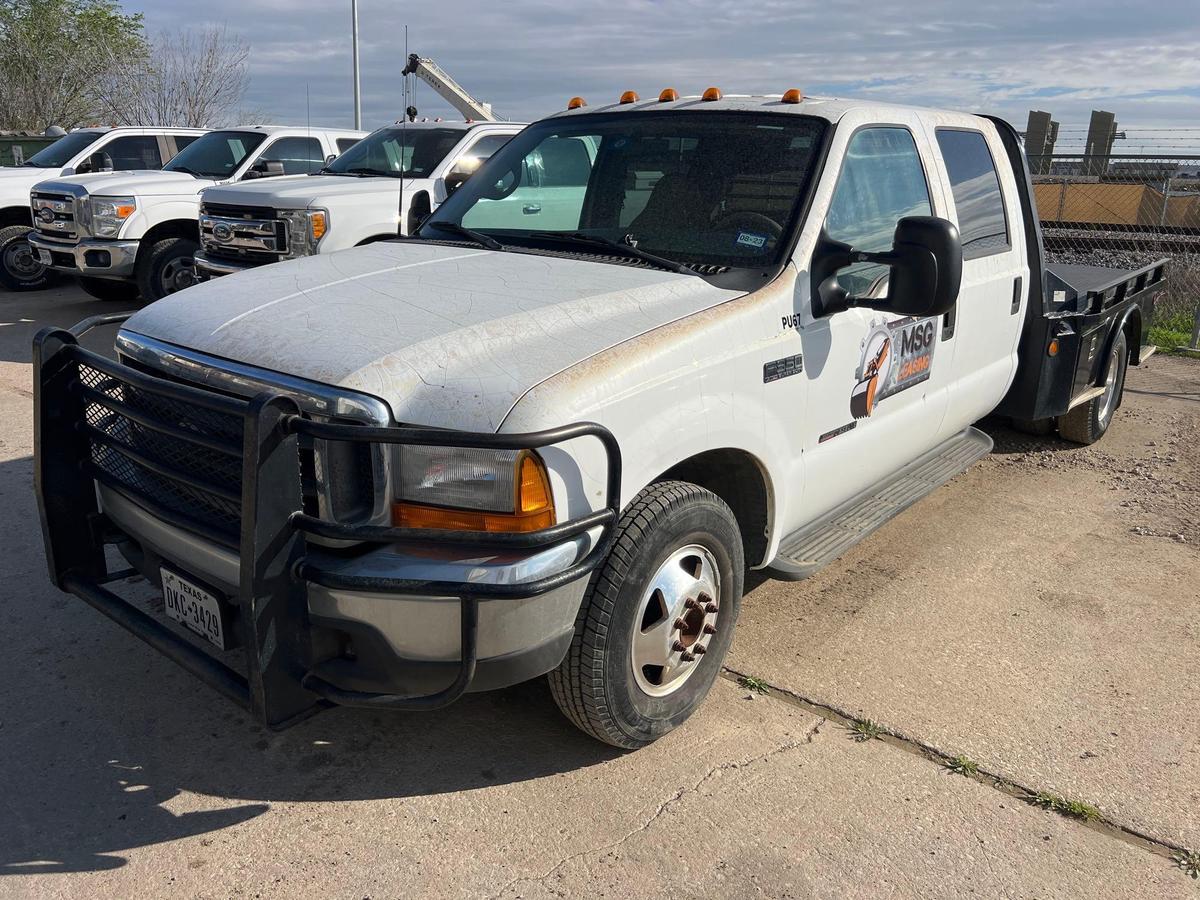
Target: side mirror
<point>265,168</point>
<point>926,270</point>
<point>454,180</point>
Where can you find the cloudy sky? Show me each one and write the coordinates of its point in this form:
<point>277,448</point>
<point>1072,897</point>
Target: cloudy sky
<point>1139,59</point>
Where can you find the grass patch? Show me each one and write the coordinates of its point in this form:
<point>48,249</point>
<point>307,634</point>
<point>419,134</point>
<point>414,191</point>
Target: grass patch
<point>1169,332</point>
<point>963,765</point>
<point>757,685</point>
<point>1076,809</point>
<point>862,730</point>
<point>1189,862</point>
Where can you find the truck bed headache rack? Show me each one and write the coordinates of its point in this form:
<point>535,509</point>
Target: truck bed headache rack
<point>229,470</point>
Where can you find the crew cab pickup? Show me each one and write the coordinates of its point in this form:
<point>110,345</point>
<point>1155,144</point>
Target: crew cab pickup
<point>386,184</point>
<point>135,232</point>
<point>84,150</point>
<point>754,329</point>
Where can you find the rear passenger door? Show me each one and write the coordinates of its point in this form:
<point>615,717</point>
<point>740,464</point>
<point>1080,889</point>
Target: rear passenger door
<point>134,151</point>
<point>987,319</point>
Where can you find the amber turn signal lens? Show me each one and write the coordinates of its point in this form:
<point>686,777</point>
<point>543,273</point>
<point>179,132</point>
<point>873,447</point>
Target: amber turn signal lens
<point>712,93</point>
<point>629,97</point>
<point>792,95</point>
<point>319,225</point>
<point>1053,348</point>
<point>576,103</point>
<point>669,95</point>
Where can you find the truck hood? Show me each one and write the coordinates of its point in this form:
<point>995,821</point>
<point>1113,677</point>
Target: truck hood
<point>303,191</point>
<point>140,183</point>
<point>17,181</point>
<point>447,336</point>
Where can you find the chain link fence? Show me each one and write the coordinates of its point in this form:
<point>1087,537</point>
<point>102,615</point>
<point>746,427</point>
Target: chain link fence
<point>1125,211</point>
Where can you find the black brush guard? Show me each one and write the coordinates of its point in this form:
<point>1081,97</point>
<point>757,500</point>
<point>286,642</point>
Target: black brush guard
<point>278,686</point>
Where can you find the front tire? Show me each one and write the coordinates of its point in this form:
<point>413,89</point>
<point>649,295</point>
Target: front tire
<point>1086,423</point>
<point>671,585</point>
<point>167,267</point>
<point>19,266</point>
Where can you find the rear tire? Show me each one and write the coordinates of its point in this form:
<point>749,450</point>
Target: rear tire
<point>19,268</point>
<point>108,290</point>
<point>686,538</point>
<point>1086,423</point>
<point>166,267</point>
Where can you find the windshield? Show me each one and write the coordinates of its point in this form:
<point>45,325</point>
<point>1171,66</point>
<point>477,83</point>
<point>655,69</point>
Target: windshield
<point>699,188</point>
<point>216,154</point>
<point>63,150</point>
<point>396,151</point>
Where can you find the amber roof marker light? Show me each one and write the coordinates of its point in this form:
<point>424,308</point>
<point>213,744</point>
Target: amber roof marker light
<point>669,95</point>
<point>576,103</point>
<point>792,95</point>
<point>629,97</point>
<point>712,93</point>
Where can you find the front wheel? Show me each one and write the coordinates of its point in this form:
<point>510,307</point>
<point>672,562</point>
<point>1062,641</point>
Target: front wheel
<point>1086,423</point>
<point>20,269</point>
<point>167,267</point>
<point>657,618</point>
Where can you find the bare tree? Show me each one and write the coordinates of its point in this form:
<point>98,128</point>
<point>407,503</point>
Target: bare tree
<point>188,78</point>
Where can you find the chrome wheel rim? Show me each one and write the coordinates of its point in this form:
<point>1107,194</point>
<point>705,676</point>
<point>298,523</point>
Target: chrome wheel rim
<point>1108,402</point>
<point>676,620</point>
<point>20,260</point>
<point>178,274</point>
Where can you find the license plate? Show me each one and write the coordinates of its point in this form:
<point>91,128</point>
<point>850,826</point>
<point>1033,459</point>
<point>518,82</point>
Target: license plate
<point>193,607</point>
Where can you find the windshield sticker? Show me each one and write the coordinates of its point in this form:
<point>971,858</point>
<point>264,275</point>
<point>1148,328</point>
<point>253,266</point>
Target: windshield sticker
<point>750,239</point>
<point>895,356</point>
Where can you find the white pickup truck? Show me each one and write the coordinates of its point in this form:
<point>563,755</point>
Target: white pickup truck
<point>84,150</point>
<point>753,329</point>
<point>384,186</point>
<point>125,233</point>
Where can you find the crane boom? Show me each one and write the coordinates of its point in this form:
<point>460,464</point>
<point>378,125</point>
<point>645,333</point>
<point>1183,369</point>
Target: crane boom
<point>449,89</point>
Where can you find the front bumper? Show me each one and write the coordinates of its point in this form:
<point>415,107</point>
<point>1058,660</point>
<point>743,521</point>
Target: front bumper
<point>215,266</point>
<point>91,256</point>
<point>412,624</point>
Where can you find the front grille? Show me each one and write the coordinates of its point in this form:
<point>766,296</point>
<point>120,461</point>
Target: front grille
<point>246,234</point>
<point>62,218</point>
<point>183,458</point>
<point>227,211</point>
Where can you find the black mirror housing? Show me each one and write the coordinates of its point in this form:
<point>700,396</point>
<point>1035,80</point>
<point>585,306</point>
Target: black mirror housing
<point>926,270</point>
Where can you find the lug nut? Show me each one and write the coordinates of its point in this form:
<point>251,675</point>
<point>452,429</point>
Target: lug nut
<point>711,607</point>
<point>687,657</point>
<point>700,648</point>
<point>710,628</point>
<point>692,604</point>
<point>679,646</point>
<point>680,624</point>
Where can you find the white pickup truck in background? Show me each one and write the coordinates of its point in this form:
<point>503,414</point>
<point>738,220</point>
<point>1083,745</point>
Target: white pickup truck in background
<point>134,233</point>
<point>82,151</point>
<point>531,440</point>
<point>384,185</point>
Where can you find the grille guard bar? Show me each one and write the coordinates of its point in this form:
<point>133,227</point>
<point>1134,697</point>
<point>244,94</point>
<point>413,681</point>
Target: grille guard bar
<point>280,685</point>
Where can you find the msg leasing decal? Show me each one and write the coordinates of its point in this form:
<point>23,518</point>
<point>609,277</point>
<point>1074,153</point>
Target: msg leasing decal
<point>895,356</point>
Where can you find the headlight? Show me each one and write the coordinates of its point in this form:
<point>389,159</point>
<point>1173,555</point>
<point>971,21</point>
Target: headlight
<point>472,490</point>
<point>108,214</point>
<point>305,229</point>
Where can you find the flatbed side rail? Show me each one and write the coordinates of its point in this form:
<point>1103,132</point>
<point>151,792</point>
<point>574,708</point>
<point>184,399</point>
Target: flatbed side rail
<point>279,683</point>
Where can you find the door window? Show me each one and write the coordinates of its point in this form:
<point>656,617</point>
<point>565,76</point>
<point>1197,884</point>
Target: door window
<point>977,198</point>
<point>134,152</point>
<point>881,182</point>
<point>299,155</point>
<point>344,144</point>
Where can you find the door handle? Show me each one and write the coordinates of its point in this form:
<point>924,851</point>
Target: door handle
<point>531,209</point>
<point>1016,298</point>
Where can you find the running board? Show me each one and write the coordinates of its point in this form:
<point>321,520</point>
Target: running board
<point>805,551</point>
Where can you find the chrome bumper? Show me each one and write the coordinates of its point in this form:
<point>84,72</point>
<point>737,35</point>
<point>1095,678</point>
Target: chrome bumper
<point>216,266</point>
<point>93,257</point>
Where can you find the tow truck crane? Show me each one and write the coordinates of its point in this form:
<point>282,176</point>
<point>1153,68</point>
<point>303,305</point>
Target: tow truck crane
<point>450,90</point>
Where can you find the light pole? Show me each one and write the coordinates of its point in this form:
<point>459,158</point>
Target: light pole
<point>357,85</point>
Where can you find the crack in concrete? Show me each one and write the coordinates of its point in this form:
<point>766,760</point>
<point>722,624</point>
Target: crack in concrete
<point>675,798</point>
<point>1158,846</point>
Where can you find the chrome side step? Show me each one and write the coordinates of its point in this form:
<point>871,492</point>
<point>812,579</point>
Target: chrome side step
<point>805,551</point>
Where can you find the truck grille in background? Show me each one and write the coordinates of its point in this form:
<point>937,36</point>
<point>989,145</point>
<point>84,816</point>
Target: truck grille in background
<point>65,223</point>
<point>255,234</point>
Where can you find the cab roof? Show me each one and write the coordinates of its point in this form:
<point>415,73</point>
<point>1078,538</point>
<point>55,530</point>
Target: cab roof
<point>829,108</point>
<point>298,129</point>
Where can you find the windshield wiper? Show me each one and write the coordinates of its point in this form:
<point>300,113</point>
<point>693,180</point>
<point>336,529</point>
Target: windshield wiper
<point>185,170</point>
<point>483,240</point>
<point>628,245</point>
<point>360,171</point>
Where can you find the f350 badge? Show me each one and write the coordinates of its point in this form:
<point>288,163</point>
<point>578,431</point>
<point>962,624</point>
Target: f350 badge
<point>895,356</point>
